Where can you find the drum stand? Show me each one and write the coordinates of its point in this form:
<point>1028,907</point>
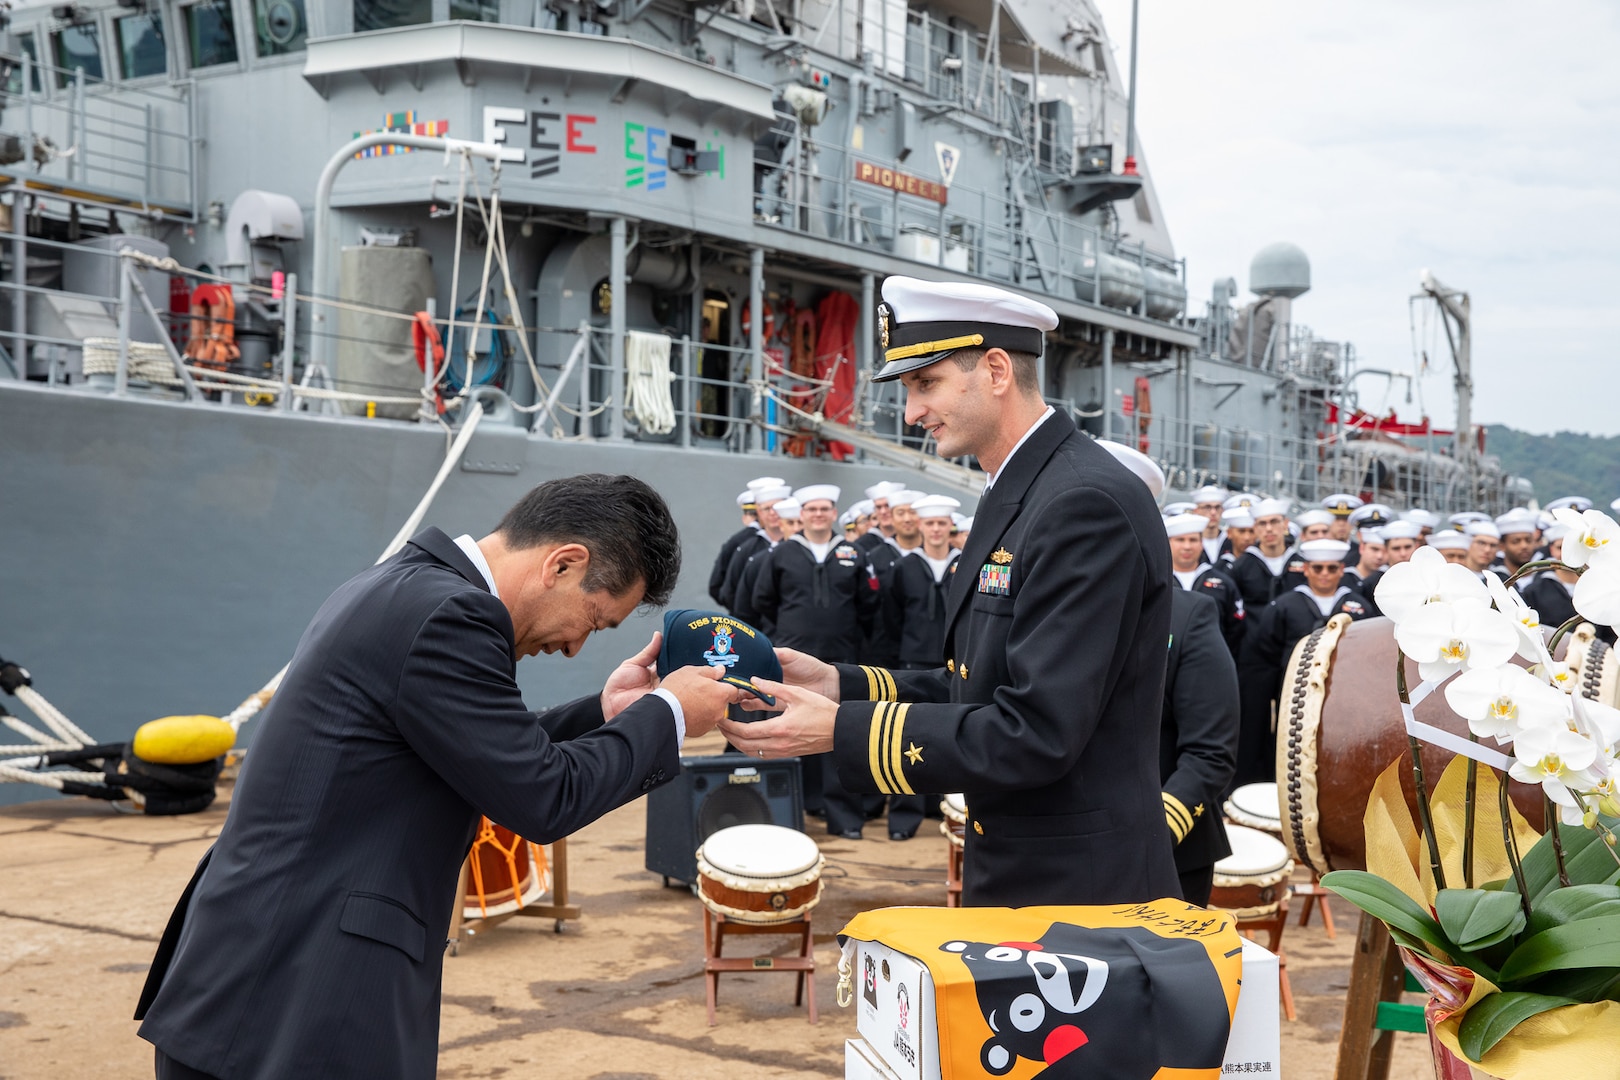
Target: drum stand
<point>715,928</point>
<point>463,929</point>
<point>1314,894</point>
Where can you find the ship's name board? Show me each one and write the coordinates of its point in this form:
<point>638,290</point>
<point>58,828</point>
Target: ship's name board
<point>905,183</point>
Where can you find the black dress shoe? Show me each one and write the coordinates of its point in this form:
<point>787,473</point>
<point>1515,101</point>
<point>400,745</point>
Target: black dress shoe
<point>817,811</point>
<point>846,834</point>
<point>901,835</point>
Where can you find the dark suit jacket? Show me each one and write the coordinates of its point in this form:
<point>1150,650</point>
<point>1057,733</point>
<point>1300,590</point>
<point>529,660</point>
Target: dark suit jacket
<point>1046,711</point>
<point>1198,737</point>
<point>311,940</point>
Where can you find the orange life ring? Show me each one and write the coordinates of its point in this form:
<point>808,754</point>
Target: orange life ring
<point>1144,412</point>
<point>424,333</point>
<point>212,343</point>
<point>748,321</point>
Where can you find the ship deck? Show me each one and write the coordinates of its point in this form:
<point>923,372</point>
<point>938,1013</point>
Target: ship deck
<point>617,994</point>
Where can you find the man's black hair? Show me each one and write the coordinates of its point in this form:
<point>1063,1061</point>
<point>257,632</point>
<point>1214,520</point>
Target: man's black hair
<point>622,522</point>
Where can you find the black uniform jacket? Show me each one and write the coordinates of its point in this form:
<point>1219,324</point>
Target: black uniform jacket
<point>311,939</point>
<point>1217,584</point>
<point>1046,711</point>
<point>1553,603</point>
<point>1258,584</point>
<point>825,608</point>
<point>1198,736</point>
<point>743,602</point>
<point>747,549</point>
<point>914,608</point>
<point>717,573</point>
<point>882,644</point>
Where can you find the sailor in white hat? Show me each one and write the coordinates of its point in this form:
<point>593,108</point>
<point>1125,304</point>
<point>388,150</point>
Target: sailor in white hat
<point>1341,506</point>
<point>1208,502</point>
<point>1193,574</point>
<point>1170,509</point>
<point>1426,520</point>
<point>1271,567</point>
<point>1450,543</point>
<point>748,506</point>
<point>1368,551</point>
<point>1315,525</point>
<point>766,531</point>
<point>1520,533</point>
<point>1483,544</point>
<point>1241,501</point>
<point>1237,522</point>
<point>964,529</point>
<point>1371,516</point>
<point>1068,595</point>
<point>1146,469</point>
<point>1578,503</point>
<point>882,523</point>
<point>1268,644</point>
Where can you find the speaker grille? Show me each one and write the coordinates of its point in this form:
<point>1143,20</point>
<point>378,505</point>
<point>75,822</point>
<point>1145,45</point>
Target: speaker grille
<point>734,804</point>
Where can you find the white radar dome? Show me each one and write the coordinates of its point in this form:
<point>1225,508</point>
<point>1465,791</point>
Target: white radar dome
<point>1280,269</point>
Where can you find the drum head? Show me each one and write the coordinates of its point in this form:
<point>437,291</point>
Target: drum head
<point>760,851</point>
<point>1254,853</point>
<point>954,806</point>
<point>1259,803</point>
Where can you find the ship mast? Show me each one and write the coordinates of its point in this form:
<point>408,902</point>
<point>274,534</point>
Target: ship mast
<point>1454,308</point>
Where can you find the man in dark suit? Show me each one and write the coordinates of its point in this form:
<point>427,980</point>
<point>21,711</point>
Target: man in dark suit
<point>1046,709</point>
<point>310,941</point>
<point>1198,739</point>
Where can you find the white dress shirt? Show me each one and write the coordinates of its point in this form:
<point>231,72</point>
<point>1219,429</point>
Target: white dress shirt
<point>990,478</point>
<point>470,548</point>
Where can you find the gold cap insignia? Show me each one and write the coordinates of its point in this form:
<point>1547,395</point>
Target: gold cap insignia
<point>883,325</point>
<point>1001,556</point>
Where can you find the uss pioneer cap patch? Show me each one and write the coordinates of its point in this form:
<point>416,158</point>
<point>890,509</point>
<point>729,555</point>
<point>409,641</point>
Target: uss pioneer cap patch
<point>694,638</point>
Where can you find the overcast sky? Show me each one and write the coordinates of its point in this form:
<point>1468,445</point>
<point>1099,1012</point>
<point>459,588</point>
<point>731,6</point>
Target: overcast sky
<point>1477,138</point>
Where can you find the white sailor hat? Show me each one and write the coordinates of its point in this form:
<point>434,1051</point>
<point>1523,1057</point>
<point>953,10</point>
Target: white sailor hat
<point>1239,517</point>
<point>813,492</point>
<point>1209,493</point>
<point>1482,528</point>
<point>1324,550</point>
<point>904,497</point>
<point>1517,520</point>
<point>764,482</point>
<point>1370,536</point>
<point>745,500</point>
<point>864,508</point>
<point>1185,524</point>
<point>1545,521</point>
<point>1571,502</point>
<point>966,524</point>
<point>932,506</point>
<point>1555,531</point>
<point>1170,510</point>
<point>771,494</point>
<point>1144,467</point>
<point>921,322</point>
<point>957,520</point>
<point>1269,508</point>
<point>1341,504</point>
<point>1400,530</point>
<point>883,489</point>
<point>1314,517</point>
<point>789,509</point>
<point>1448,540</point>
<point>1467,517</point>
<point>1371,514</point>
<point>1421,517</point>
<point>1241,499</point>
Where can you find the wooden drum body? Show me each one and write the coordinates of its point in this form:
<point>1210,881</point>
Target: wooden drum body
<point>1252,882</point>
<point>1339,726</point>
<point>759,873</point>
<point>506,873</point>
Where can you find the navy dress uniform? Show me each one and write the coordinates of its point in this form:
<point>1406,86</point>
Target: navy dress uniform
<point>717,573</point>
<point>1198,740</point>
<point>766,498</point>
<point>1211,581</point>
<point>1046,707</point>
<point>1266,648</point>
<point>1261,581</point>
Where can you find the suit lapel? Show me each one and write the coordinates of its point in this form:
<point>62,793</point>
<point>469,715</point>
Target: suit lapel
<point>434,541</point>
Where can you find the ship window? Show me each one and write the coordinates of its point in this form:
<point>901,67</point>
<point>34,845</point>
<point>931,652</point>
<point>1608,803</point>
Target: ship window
<point>78,47</point>
<point>141,50</point>
<point>210,33</point>
<point>279,26</point>
<point>382,14</point>
<point>476,10</point>
<point>25,47</point>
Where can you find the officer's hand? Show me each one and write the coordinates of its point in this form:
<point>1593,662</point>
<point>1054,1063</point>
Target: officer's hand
<point>702,695</point>
<point>805,727</point>
<point>802,670</point>
<point>632,680</point>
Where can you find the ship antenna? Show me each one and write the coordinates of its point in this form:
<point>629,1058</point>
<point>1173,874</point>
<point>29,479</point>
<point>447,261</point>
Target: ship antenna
<point>1130,105</point>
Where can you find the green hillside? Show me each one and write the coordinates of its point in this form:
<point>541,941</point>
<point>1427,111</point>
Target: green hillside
<point>1567,463</point>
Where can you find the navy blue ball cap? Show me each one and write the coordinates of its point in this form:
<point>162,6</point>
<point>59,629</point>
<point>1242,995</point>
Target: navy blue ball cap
<point>695,638</point>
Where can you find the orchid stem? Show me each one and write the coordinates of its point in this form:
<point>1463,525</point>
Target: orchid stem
<point>1468,820</point>
<point>1510,843</point>
<point>1558,635</point>
<point>1550,813</point>
<point>1609,839</point>
<point>1536,567</point>
<point>1425,816</point>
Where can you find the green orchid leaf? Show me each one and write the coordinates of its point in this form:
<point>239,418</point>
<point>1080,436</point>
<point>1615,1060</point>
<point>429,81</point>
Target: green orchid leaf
<point>1593,864</point>
<point>1584,984</point>
<point>1541,864</point>
<point>1589,943</point>
<point>1572,904</point>
<point>1494,1015</point>
<point>1476,919</point>
<point>1501,885</point>
<point>1389,905</point>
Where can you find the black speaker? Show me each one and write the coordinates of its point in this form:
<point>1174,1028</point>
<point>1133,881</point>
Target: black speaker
<point>714,793</point>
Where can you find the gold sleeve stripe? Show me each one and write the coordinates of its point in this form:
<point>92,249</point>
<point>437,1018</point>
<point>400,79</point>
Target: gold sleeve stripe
<point>875,748</point>
<point>872,693</point>
<point>893,693</point>
<point>897,765</point>
<point>1176,814</point>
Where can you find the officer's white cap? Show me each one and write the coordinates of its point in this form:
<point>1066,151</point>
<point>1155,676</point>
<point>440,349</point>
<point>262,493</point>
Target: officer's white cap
<point>789,509</point>
<point>1371,536</point>
<point>884,488</point>
<point>933,506</point>
<point>1419,516</point>
<point>1185,524</point>
<point>1314,517</point>
<point>813,492</point>
<point>1467,517</point>
<point>864,508</point>
<point>957,520</point>
<point>965,525</point>
<point>1448,540</point>
<point>1239,517</point>
<point>925,321</point>
<point>847,518</point>
<point>1209,494</point>
<point>1517,520</point>
<point>746,498</point>
<point>765,482</point>
<point>904,498</point>
<point>1341,504</point>
<point>1482,528</point>
<point>1324,550</point>
<point>1400,530</point>
<point>1172,509</point>
<point>1269,508</point>
<point>1571,502</point>
<point>771,494</point>
<point>1241,499</point>
<point>1371,512</point>
<point>1144,467</point>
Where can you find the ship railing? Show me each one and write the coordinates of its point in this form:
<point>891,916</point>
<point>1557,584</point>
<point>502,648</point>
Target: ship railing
<point>826,190</point>
<point>67,132</point>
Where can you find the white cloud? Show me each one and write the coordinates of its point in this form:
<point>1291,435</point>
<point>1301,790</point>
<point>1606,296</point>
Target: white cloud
<point>1477,138</point>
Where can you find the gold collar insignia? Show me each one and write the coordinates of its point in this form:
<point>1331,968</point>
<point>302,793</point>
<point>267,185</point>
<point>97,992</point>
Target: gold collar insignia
<point>1001,557</point>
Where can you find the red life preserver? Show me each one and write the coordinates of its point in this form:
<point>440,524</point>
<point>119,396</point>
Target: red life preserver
<point>423,332</point>
<point>212,343</point>
<point>1144,412</point>
<point>748,321</point>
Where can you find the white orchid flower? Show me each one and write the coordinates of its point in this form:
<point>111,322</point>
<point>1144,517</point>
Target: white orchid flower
<point>1510,603</point>
<point>1593,535</point>
<point>1597,593</point>
<point>1425,578</point>
<point>1445,638</point>
<point>1594,719</point>
<point>1556,758</point>
<point>1606,791</point>
<point>1555,673</point>
<point>1502,701</point>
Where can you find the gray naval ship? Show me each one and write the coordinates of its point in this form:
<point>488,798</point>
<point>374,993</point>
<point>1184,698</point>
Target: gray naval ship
<point>649,236</point>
